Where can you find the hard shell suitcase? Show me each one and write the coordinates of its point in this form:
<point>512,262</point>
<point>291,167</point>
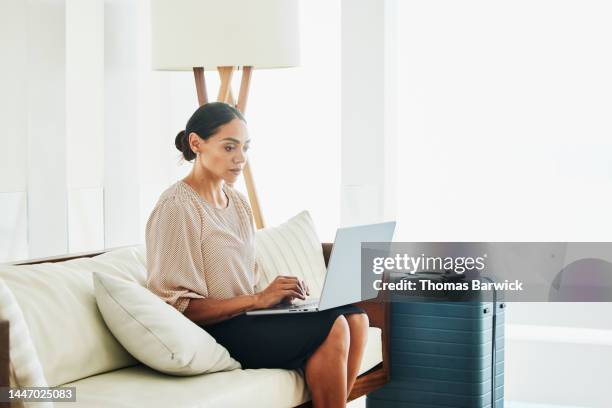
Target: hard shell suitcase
<point>444,354</point>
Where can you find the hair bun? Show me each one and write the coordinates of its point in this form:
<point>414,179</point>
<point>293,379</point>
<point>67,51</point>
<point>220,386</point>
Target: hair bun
<point>180,140</point>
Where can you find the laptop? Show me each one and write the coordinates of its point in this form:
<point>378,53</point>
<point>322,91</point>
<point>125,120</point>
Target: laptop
<point>342,284</point>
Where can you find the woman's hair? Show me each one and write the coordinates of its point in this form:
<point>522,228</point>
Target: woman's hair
<point>205,122</point>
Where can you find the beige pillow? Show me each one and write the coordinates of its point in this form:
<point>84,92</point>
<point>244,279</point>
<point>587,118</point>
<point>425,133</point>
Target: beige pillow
<point>292,248</point>
<point>156,333</point>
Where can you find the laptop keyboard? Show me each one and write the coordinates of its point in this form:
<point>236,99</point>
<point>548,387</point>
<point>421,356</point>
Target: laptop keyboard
<point>301,305</point>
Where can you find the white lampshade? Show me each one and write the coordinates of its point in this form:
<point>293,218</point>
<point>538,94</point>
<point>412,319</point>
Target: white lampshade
<point>214,33</point>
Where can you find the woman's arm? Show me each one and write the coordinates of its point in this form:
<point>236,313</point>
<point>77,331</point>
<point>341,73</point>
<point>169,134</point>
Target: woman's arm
<point>210,311</point>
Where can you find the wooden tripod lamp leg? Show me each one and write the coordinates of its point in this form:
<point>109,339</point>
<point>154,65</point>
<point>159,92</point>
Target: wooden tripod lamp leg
<point>226,74</point>
<point>245,84</point>
<point>243,95</point>
<point>198,74</point>
<point>225,95</point>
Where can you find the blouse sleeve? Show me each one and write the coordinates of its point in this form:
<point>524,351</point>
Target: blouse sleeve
<point>174,253</point>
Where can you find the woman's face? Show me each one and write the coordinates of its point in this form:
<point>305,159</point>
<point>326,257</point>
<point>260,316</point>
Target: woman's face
<point>225,153</point>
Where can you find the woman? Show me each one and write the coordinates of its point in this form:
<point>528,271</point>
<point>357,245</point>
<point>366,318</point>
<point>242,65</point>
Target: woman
<point>201,260</point>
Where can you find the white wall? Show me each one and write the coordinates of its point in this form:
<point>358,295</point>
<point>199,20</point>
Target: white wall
<point>121,145</point>
<point>52,127</point>
<point>13,117</point>
<point>33,193</point>
<point>368,111</point>
<point>84,113</point>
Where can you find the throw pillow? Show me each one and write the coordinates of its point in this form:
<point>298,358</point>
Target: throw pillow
<point>292,248</point>
<point>155,333</point>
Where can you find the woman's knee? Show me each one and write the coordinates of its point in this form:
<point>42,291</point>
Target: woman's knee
<point>358,322</point>
<point>339,336</point>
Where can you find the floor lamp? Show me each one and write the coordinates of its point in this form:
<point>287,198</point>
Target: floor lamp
<point>204,35</point>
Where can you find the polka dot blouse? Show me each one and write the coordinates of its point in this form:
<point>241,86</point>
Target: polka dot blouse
<point>195,250</point>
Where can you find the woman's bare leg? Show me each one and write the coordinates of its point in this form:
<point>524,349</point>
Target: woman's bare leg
<point>326,368</point>
<point>358,327</point>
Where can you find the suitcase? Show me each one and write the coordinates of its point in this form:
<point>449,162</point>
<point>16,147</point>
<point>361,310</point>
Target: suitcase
<point>444,354</point>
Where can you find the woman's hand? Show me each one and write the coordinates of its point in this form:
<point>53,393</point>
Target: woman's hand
<point>282,288</point>
<point>289,299</point>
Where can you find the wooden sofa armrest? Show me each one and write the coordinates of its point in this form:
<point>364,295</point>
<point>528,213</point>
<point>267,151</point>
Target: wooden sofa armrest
<point>4,358</point>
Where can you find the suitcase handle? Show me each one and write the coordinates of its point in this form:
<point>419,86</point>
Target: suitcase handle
<point>493,343</point>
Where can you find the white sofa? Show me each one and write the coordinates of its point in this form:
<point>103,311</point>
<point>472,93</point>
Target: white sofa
<point>73,346</point>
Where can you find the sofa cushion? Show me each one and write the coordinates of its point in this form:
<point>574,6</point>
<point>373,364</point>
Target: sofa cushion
<point>59,307</point>
<point>25,369</point>
<point>292,248</point>
<point>156,333</point>
<point>139,386</point>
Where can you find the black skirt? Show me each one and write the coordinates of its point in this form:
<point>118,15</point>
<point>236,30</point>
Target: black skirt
<point>276,341</point>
